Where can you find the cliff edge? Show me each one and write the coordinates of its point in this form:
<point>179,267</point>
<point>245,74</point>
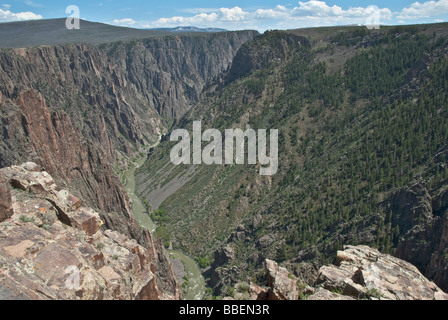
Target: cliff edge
<point>51,247</point>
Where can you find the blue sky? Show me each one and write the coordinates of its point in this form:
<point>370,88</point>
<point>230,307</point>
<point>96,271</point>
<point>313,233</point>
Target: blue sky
<point>248,14</point>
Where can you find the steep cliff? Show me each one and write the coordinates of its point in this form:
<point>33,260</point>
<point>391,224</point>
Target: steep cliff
<point>5,199</point>
<point>83,111</point>
<point>425,244</point>
<point>53,247</point>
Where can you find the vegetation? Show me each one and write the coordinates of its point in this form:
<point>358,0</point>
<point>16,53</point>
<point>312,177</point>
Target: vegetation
<point>158,216</point>
<point>163,233</point>
<point>373,293</point>
<point>349,137</point>
<point>203,262</point>
<point>26,219</point>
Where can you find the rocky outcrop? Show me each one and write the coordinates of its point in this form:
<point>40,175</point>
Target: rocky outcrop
<point>283,285</point>
<point>223,255</point>
<point>53,247</point>
<point>272,47</point>
<point>426,246</point>
<point>221,270</point>
<point>360,273</point>
<point>5,199</point>
<point>410,206</point>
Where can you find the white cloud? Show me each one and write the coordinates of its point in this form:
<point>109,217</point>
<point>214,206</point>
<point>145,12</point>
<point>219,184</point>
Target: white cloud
<point>234,14</point>
<point>279,12</point>
<point>319,9</point>
<point>424,10</point>
<point>197,20</point>
<point>126,22</point>
<point>205,18</point>
<point>7,16</point>
<point>310,13</point>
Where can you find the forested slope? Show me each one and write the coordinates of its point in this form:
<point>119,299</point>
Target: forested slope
<point>363,124</point>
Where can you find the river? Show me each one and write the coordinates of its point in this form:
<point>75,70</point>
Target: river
<point>196,282</point>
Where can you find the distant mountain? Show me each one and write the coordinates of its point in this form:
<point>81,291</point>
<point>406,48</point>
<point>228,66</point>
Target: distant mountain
<point>362,123</point>
<point>54,32</point>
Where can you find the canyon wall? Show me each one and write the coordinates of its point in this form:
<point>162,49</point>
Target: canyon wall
<point>82,111</point>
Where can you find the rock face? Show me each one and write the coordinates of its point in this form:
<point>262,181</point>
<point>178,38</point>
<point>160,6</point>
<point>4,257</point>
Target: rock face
<point>222,256</point>
<point>438,266</point>
<point>250,58</point>
<point>53,247</point>
<point>425,243</point>
<point>363,272</point>
<point>80,110</point>
<point>360,273</point>
<point>5,199</point>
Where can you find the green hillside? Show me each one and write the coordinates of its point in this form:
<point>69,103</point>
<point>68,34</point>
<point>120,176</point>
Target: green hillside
<point>361,114</point>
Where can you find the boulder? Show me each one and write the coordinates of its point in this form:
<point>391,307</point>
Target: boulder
<point>257,293</point>
<point>265,241</point>
<point>33,180</point>
<point>86,219</point>
<point>360,273</point>
<point>149,290</point>
<point>223,255</point>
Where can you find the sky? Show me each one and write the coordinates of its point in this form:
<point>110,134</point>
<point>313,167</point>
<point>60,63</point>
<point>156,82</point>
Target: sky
<point>260,15</point>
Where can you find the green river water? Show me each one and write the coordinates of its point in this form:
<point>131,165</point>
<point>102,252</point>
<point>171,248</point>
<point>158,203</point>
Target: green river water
<point>196,282</point>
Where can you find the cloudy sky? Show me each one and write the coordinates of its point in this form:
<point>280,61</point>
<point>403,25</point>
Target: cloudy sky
<point>233,15</point>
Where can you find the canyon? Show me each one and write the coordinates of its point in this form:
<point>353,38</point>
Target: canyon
<point>83,112</point>
<point>362,156</point>
<point>362,166</point>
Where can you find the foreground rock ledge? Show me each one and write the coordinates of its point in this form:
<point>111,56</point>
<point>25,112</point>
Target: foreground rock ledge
<point>54,248</point>
<point>360,273</point>
<point>365,273</point>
